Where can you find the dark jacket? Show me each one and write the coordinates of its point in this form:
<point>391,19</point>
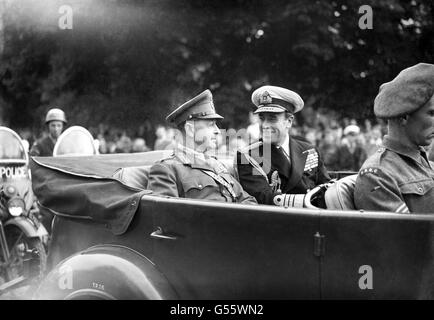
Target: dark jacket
<point>265,177</point>
<point>348,161</point>
<point>42,147</point>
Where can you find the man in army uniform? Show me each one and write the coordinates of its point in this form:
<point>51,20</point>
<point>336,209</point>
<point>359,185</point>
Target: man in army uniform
<point>278,165</point>
<point>399,177</point>
<point>190,172</point>
<point>55,121</point>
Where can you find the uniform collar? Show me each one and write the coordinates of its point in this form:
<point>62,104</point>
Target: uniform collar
<point>187,155</point>
<point>198,160</point>
<point>398,147</point>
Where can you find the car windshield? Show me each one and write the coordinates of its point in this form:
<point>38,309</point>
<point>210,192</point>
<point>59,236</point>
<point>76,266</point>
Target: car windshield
<point>75,141</point>
<point>11,147</point>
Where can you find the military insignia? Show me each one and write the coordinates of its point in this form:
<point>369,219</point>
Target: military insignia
<point>311,160</point>
<point>374,171</point>
<point>265,98</point>
<point>275,182</point>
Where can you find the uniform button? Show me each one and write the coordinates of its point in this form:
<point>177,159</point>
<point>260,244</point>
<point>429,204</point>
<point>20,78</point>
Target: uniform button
<point>420,189</point>
<point>200,186</point>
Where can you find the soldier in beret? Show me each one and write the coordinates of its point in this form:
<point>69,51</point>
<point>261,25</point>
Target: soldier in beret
<point>399,177</point>
<point>279,165</point>
<point>190,172</point>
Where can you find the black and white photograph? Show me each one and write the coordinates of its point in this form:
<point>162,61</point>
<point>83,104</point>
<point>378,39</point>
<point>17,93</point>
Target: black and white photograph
<point>231,151</point>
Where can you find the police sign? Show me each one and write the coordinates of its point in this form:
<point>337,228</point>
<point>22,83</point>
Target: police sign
<point>13,172</point>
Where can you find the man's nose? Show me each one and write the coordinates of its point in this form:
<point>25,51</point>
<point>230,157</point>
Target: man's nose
<point>265,124</point>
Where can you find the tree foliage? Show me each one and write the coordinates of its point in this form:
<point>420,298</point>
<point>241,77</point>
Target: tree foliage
<point>127,61</point>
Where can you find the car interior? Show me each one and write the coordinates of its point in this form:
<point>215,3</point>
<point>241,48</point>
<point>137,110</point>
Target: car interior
<point>337,195</point>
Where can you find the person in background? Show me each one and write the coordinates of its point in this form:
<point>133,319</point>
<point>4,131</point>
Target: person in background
<point>139,145</point>
<point>351,154</point>
<point>163,140</point>
<point>55,121</point>
<point>329,149</point>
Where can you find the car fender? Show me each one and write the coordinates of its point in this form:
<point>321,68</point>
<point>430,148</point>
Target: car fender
<point>27,227</point>
<point>106,272</point>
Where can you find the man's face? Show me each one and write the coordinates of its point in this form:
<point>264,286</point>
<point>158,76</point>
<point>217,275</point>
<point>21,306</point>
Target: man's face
<point>55,128</point>
<point>420,125</point>
<point>352,137</point>
<point>205,135</point>
<point>274,127</point>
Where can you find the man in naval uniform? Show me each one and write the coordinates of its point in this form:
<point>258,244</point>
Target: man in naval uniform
<point>191,172</point>
<point>278,165</point>
<point>399,177</point>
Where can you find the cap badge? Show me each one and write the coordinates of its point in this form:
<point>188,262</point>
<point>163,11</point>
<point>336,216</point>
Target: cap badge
<point>265,98</point>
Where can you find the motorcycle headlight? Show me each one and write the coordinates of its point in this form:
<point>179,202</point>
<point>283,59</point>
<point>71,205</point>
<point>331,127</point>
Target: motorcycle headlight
<point>16,207</point>
<point>10,191</point>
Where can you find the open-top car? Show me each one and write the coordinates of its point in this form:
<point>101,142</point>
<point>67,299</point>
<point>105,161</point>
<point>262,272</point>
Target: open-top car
<point>114,239</point>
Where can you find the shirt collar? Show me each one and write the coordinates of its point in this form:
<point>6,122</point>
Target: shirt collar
<point>398,147</point>
<point>285,144</point>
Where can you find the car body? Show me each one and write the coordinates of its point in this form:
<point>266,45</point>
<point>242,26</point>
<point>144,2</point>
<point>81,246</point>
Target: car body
<point>114,241</point>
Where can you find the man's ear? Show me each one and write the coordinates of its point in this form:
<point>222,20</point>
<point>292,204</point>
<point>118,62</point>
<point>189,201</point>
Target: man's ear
<point>290,120</point>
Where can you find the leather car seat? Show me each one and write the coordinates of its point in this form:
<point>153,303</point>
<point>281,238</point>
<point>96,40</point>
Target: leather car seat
<point>134,176</point>
<point>340,195</point>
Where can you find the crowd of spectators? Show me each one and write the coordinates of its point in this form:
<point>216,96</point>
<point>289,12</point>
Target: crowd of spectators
<point>343,144</point>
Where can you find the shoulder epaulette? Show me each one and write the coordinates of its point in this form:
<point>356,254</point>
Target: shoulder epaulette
<point>372,170</point>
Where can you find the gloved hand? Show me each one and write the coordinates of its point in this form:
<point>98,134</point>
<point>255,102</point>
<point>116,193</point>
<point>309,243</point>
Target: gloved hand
<point>289,200</point>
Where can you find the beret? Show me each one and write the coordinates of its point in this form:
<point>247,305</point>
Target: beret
<point>276,99</point>
<point>409,91</point>
<point>199,107</point>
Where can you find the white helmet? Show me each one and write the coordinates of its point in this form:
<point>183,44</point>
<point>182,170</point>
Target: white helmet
<point>55,114</point>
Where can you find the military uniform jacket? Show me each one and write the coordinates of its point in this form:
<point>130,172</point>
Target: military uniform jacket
<point>43,147</point>
<point>396,178</point>
<point>265,177</point>
<point>184,175</point>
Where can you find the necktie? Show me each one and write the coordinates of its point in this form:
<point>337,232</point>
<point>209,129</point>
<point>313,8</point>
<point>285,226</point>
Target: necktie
<point>281,150</point>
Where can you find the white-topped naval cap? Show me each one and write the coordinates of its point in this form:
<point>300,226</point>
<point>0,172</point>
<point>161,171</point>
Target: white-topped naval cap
<point>276,99</point>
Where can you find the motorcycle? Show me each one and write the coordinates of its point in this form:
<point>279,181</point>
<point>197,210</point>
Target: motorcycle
<point>23,238</point>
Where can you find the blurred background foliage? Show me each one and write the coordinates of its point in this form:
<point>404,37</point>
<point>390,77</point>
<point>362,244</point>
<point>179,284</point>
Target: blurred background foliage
<point>125,62</point>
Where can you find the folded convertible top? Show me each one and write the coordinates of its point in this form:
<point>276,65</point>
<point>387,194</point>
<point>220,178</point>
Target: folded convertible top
<point>83,187</point>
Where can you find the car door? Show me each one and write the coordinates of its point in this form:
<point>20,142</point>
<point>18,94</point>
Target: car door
<point>211,250</point>
<point>376,255</point>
